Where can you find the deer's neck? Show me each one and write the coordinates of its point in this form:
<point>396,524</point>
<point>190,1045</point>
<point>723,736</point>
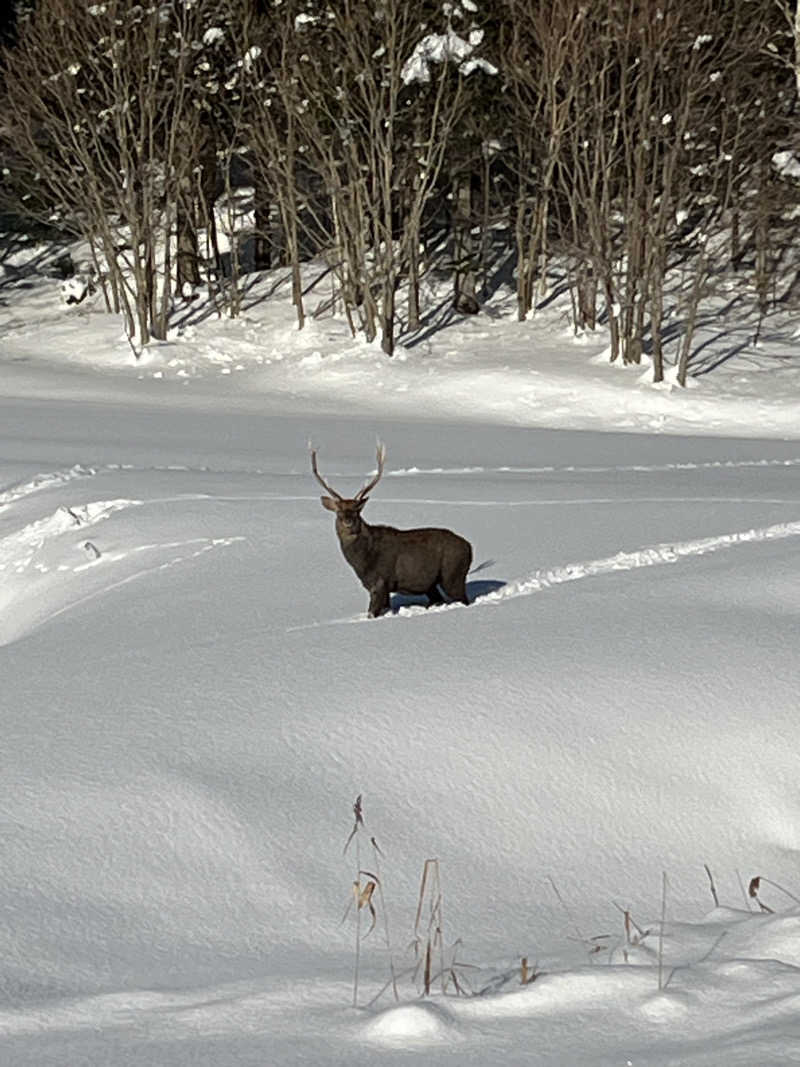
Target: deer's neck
<point>356,544</point>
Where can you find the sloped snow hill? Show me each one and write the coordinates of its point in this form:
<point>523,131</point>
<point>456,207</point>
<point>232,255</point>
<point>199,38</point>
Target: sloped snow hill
<point>187,722</point>
<point>191,698</point>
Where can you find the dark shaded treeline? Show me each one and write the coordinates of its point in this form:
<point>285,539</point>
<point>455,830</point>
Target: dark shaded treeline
<point>638,151</point>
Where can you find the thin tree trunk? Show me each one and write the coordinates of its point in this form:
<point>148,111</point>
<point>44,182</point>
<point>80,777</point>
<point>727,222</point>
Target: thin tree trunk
<point>187,258</point>
<point>524,267</point>
<point>264,244</point>
<point>691,317</point>
<point>464,298</point>
<point>613,319</point>
<point>656,321</point>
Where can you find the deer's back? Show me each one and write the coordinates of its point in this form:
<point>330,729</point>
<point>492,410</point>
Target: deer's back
<point>422,537</point>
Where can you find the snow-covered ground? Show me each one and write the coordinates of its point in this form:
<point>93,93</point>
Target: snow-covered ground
<point>192,698</point>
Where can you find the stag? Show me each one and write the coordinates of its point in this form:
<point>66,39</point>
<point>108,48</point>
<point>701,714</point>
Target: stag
<point>387,560</point>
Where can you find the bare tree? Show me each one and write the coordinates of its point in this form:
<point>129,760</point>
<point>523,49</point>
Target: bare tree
<point>634,136</point>
<point>654,134</point>
<point>270,50</point>
<point>377,111</point>
<point>102,108</point>
<point>540,54</point>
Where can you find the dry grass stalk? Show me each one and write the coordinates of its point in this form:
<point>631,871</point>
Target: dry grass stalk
<point>634,934</point>
<point>755,885</point>
<point>527,974</point>
<point>428,936</point>
<point>364,898</point>
<point>593,945</point>
<point>752,892</point>
<point>453,974</point>
<point>358,822</point>
<point>429,939</point>
<point>366,887</point>
<point>361,896</point>
<point>661,983</point>
<point>378,854</point>
<point>427,970</point>
<point>711,885</point>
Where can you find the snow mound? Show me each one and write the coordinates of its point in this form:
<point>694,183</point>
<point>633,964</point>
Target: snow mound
<point>54,563</point>
<point>47,480</point>
<point>644,557</point>
<point>411,1024</point>
<point>28,547</point>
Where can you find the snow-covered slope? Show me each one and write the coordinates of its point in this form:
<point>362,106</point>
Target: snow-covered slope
<point>191,701</point>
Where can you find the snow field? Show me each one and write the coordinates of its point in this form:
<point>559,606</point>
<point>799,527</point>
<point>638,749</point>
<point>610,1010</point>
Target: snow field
<point>186,724</point>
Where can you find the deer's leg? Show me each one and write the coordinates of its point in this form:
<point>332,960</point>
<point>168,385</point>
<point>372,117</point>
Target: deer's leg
<point>434,595</point>
<point>456,588</point>
<point>379,599</point>
<point>454,575</point>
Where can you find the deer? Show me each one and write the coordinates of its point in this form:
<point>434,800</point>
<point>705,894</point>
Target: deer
<point>386,560</point>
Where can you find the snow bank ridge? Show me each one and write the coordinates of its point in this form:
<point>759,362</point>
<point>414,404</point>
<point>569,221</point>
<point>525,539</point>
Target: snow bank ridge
<point>44,481</point>
<point>652,556</point>
<point>636,468</point>
<point>642,557</point>
<point>18,550</point>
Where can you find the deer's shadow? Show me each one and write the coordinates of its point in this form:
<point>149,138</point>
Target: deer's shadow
<point>475,590</point>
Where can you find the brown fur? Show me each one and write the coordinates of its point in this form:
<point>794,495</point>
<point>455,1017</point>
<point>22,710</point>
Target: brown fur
<point>426,561</point>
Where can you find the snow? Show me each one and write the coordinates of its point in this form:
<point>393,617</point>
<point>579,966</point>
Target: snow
<point>193,697</point>
<point>213,35</point>
<point>786,163</point>
<point>441,47</point>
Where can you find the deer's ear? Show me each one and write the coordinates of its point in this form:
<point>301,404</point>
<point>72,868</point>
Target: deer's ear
<point>328,502</point>
<point>362,502</point>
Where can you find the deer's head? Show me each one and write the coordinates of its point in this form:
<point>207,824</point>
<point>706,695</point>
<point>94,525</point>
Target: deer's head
<point>348,510</point>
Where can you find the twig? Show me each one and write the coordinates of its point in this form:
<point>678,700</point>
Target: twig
<point>629,922</point>
<point>359,822</point>
<point>712,886</point>
<point>780,888</point>
<point>378,854</point>
<point>752,892</point>
<point>755,885</point>
<point>136,355</point>
<point>711,950</point>
<point>434,935</point>
<point>391,981</point>
<point>570,917</point>
<point>661,930</point>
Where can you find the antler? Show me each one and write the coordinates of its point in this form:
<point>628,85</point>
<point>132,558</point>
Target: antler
<point>317,475</point>
<point>381,455</point>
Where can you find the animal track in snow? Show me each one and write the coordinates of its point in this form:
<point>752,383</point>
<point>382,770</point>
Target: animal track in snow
<point>579,501</point>
<point>540,580</point>
<point>204,544</point>
<point>40,596</point>
<point>643,468</point>
<point>652,556</point>
<point>19,550</point>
